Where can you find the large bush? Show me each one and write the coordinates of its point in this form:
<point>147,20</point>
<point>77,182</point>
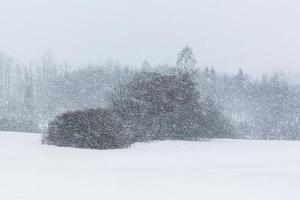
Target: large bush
<point>91,128</point>
<point>155,106</point>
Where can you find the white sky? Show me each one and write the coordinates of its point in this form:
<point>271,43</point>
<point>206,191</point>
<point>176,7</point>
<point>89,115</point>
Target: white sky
<point>257,35</point>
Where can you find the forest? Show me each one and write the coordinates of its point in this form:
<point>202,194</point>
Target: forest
<point>147,100</point>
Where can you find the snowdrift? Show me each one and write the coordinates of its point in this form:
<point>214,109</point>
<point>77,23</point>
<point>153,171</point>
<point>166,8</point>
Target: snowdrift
<point>211,170</point>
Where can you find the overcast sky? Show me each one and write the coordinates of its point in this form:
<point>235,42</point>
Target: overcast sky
<point>257,35</point>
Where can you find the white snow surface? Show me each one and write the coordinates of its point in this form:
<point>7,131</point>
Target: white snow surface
<point>208,170</point>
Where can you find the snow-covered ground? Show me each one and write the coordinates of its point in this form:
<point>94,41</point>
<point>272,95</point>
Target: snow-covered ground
<point>217,169</point>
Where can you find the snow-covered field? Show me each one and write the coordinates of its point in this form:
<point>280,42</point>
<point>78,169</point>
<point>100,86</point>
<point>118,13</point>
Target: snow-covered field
<point>218,169</point>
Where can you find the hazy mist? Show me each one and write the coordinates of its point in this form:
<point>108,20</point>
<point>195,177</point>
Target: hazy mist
<point>259,36</point>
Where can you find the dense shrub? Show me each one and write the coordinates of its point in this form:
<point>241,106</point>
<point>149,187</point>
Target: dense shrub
<point>91,128</point>
<point>155,106</point>
<point>152,106</point>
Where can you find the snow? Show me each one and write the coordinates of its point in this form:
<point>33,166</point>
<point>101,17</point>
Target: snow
<point>209,170</point>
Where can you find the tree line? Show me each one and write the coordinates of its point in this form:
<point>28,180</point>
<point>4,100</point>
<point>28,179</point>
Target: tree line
<point>153,102</point>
